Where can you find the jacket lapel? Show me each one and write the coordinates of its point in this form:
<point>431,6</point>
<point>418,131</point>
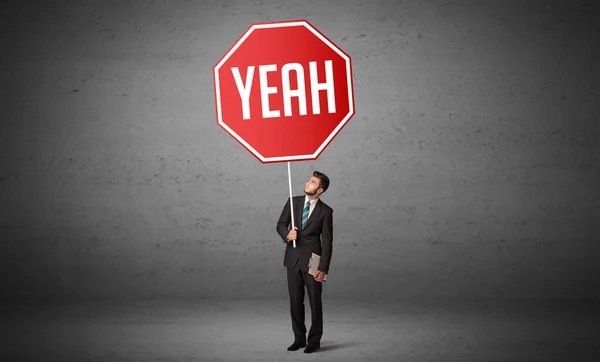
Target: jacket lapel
<point>298,206</point>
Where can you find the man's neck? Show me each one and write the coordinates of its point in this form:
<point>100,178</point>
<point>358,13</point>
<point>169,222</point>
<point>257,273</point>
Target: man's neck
<point>312,198</point>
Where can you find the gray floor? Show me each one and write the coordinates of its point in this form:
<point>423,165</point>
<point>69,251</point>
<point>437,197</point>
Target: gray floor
<point>258,330</point>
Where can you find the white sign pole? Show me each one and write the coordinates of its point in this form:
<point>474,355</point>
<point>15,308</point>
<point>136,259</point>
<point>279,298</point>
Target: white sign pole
<point>291,201</point>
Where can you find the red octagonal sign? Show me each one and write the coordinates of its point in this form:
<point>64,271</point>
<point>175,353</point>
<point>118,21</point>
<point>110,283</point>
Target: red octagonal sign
<point>284,91</point>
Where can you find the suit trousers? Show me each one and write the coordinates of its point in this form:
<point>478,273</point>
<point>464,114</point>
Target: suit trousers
<point>298,280</point>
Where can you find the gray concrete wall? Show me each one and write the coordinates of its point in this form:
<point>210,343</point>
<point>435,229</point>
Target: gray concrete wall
<point>469,170</point>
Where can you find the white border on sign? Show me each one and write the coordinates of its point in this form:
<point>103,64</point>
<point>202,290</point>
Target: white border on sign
<point>324,40</point>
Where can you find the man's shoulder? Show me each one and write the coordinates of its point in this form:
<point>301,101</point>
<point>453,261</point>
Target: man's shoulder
<point>325,206</point>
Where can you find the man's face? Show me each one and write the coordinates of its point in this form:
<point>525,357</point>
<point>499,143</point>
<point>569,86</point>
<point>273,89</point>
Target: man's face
<point>312,186</point>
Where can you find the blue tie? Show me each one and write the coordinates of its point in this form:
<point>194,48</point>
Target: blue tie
<point>305,213</point>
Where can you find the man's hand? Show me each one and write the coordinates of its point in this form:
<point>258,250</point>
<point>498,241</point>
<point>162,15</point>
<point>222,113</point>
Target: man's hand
<point>292,235</point>
<point>319,276</point>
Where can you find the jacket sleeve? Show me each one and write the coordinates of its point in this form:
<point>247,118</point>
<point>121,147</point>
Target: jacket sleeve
<point>326,243</point>
<point>284,221</point>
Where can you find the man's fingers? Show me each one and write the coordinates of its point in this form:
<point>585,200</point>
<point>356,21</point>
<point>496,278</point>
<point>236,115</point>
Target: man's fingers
<point>319,276</point>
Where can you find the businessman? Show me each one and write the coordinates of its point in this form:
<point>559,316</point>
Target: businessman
<point>313,232</point>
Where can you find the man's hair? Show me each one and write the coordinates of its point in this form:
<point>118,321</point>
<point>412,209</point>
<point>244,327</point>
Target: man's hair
<point>324,180</point>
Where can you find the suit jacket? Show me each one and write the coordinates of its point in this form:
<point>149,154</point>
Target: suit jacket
<point>316,236</point>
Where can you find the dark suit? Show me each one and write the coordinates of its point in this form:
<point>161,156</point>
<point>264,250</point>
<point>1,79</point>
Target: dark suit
<point>317,237</point>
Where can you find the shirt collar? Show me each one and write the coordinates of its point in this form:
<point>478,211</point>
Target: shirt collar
<point>312,202</point>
